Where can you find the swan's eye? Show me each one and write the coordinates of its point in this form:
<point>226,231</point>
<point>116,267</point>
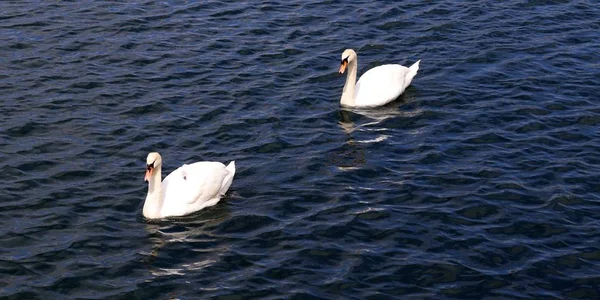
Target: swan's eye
<point>345,60</point>
<point>150,166</point>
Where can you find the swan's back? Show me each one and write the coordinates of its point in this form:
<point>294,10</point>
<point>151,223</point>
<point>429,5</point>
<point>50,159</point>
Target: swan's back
<point>383,84</point>
<point>195,186</point>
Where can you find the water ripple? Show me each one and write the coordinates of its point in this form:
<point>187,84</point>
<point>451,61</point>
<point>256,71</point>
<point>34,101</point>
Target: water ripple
<point>478,182</point>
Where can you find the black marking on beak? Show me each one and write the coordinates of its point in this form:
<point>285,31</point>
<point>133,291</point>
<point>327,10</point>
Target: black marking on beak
<point>150,166</point>
<point>344,61</point>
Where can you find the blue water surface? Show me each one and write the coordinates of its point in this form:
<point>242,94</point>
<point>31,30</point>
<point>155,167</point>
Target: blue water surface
<point>480,181</point>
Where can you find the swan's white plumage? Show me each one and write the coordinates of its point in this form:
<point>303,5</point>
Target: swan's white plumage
<point>193,187</point>
<point>187,189</point>
<point>376,87</point>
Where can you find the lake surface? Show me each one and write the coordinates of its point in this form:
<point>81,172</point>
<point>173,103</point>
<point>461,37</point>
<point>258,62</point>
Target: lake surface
<point>481,181</point>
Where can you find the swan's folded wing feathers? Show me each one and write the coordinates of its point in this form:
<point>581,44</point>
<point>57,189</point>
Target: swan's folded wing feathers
<point>204,180</point>
<point>176,188</point>
<point>380,85</point>
<point>183,172</point>
<point>192,187</point>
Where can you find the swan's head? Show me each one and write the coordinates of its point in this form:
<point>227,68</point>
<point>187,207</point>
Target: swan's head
<point>153,161</point>
<point>348,56</point>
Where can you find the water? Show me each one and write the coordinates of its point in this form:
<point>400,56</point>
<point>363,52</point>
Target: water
<point>481,181</point>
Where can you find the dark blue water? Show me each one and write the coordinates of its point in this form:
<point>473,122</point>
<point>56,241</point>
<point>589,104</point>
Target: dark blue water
<point>481,181</point>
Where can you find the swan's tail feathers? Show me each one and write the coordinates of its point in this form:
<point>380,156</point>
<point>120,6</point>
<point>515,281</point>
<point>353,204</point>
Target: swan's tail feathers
<point>229,178</point>
<point>231,168</point>
<point>412,71</point>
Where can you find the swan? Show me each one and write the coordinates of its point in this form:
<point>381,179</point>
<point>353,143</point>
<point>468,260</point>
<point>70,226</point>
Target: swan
<point>188,189</point>
<point>376,87</point>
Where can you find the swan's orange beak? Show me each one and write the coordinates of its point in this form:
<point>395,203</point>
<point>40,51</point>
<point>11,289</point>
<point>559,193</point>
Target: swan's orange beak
<point>343,66</point>
<point>149,171</point>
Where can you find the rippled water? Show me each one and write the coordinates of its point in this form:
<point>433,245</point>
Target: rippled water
<point>481,181</point>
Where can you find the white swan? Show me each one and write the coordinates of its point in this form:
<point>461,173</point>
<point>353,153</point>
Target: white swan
<point>377,86</point>
<point>188,189</point>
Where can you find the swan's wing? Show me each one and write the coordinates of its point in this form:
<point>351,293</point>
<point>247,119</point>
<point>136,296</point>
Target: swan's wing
<point>380,85</point>
<point>192,187</point>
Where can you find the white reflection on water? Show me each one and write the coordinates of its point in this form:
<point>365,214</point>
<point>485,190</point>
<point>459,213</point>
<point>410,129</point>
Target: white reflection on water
<point>365,126</point>
<point>373,118</point>
<point>198,228</point>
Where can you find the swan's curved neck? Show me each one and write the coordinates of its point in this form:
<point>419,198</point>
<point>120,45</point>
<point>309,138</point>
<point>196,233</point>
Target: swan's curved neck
<point>154,199</point>
<point>348,92</point>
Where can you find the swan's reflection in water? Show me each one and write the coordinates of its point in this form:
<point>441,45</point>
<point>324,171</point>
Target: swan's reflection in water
<point>195,229</point>
<point>374,118</point>
<point>368,127</point>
